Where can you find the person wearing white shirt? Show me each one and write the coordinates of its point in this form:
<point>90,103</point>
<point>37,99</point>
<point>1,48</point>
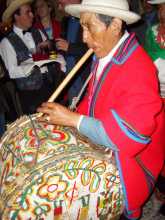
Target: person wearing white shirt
<point>10,57</point>
<point>36,84</point>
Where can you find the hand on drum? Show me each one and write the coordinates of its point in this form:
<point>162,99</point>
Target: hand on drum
<point>55,113</point>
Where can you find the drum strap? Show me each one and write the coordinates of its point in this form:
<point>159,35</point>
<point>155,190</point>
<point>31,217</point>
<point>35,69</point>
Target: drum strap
<point>76,99</point>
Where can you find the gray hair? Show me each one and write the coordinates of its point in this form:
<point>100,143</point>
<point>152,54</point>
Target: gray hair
<point>107,20</point>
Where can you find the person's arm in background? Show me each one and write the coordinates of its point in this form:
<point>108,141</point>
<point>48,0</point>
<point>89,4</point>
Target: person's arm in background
<point>75,49</point>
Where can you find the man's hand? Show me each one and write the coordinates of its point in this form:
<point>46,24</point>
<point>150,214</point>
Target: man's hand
<point>45,45</point>
<point>55,113</point>
<point>62,44</point>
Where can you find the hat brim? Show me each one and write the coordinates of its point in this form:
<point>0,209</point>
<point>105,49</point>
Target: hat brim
<point>6,17</point>
<point>127,16</point>
<point>156,2</point>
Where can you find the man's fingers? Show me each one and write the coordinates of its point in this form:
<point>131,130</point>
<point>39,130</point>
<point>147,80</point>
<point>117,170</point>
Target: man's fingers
<point>48,104</point>
<point>44,110</point>
<point>44,118</point>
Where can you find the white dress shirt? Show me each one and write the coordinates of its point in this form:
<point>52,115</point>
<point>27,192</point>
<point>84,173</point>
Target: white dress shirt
<point>8,54</point>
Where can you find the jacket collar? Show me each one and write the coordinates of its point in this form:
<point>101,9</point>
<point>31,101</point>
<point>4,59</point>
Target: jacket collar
<point>125,50</point>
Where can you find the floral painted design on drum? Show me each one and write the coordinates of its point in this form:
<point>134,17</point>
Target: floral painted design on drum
<point>52,187</point>
<point>41,209</point>
<point>90,172</point>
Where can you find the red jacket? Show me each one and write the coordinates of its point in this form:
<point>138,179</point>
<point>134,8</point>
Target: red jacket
<point>126,100</point>
<point>55,26</point>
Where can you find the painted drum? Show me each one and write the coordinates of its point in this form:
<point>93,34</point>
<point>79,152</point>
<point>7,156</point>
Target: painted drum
<point>50,172</point>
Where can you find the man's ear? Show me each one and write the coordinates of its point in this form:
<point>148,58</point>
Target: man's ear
<point>16,17</point>
<point>116,25</point>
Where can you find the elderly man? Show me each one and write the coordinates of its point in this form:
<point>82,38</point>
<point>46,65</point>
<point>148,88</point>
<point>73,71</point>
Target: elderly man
<point>34,84</point>
<point>122,109</point>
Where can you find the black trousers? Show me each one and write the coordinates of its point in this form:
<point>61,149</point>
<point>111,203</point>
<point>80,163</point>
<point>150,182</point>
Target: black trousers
<point>122,217</point>
<point>31,99</point>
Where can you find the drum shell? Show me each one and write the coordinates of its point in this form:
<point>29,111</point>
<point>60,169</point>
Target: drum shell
<point>56,174</point>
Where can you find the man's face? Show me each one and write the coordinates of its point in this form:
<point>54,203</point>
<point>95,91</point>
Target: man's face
<point>25,19</point>
<point>63,3</point>
<point>97,36</point>
<point>42,9</point>
<point>161,13</point>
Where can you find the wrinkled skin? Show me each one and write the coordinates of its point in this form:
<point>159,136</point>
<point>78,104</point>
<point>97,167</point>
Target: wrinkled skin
<point>58,114</point>
<point>98,36</point>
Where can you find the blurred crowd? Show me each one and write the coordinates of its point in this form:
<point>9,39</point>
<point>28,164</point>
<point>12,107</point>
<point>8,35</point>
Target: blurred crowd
<point>31,33</point>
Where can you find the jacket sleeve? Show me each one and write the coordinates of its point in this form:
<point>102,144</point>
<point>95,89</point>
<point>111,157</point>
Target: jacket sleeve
<point>94,130</point>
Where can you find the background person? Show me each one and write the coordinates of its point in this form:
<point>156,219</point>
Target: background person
<point>71,45</point>
<point>16,50</point>
<point>148,17</point>
<point>45,19</point>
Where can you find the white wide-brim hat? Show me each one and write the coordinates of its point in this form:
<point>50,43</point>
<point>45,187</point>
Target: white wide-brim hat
<point>12,6</point>
<point>113,8</point>
<point>156,2</point>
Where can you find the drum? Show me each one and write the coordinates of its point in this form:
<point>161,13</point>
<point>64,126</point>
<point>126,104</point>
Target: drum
<point>50,172</point>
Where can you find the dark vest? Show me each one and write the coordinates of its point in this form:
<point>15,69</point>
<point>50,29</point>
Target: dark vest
<point>34,81</point>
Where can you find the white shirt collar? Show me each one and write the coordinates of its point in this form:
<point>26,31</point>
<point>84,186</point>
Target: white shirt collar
<point>18,30</point>
<point>103,61</point>
<point>112,52</point>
